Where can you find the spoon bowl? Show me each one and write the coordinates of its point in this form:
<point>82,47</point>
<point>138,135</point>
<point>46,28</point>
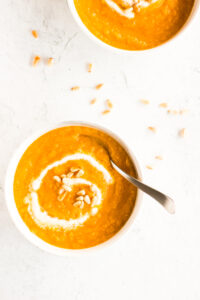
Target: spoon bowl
<point>164,200</point>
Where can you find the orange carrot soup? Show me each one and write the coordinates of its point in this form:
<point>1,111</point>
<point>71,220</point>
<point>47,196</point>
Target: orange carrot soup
<point>134,24</point>
<point>66,191</point>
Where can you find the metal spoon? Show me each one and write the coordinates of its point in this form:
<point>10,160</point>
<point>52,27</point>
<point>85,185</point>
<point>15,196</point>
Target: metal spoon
<point>164,200</point>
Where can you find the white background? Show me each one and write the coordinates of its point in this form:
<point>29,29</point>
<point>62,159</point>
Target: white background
<point>160,257</point>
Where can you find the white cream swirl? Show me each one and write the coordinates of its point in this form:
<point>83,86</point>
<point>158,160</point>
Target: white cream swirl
<point>42,218</point>
<point>126,7</point>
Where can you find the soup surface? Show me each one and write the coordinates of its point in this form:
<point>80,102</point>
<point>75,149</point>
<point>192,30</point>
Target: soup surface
<point>66,191</point>
<point>134,24</point>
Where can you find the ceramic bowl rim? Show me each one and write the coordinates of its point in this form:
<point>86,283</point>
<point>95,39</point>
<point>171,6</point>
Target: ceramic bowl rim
<point>113,49</point>
<point>19,223</point>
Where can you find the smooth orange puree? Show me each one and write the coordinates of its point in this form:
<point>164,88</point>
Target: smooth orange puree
<point>144,27</point>
<point>66,191</point>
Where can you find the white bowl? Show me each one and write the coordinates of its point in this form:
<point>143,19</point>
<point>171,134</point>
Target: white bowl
<point>117,50</point>
<point>19,223</point>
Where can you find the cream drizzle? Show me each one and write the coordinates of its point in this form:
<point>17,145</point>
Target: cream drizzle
<point>126,9</point>
<point>42,218</point>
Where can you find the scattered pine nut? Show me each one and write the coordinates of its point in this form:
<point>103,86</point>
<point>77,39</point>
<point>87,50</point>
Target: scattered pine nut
<point>183,111</point>
<point>182,132</point>
<point>143,101</point>
<point>50,61</point>
<point>34,34</point>
<point>153,129</point>
<point>93,101</point>
<point>158,157</point>
<point>149,167</point>
<point>36,60</point>
<point>90,68</point>
<point>109,104</point>
<point>75,88</point>
<point>99,86</point>
<point>174,112</point>
<point>81,193</point>
<point>105,112</point>
<point>57,178</point>
<point>164,105</point>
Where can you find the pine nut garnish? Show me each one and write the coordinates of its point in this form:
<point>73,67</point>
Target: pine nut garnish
<point>77,203</point>
<point>99,86</point>
<point>82,205</point>
<point>149,167</point>
<point>153,129</point>
<point>74,170</point>
<point>61,191</point>
<point>80,198</point>
<point>57,178</point>
<point>81,193</point>
<point>70,174</point>
<point>105,112</point>
<point>62,197</point>
<point>158,157</point>
<point>93,101</point>
<point>65,180</point>
<point>90,68</point>
<point>67,188</point>
<point>36,60</point>
<point>79,173</point>
<point>143,101</point>
<point>50,61</point>
<point>87,199</point>
<point>75,88</point>
<point>63,176</point>
<point>182,132</point>
<point>34,34</point>
<point>163,105</point>
<point>109,104</point>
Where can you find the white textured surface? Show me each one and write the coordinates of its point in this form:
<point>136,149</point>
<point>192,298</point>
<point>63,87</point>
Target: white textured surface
<point>159,258</point>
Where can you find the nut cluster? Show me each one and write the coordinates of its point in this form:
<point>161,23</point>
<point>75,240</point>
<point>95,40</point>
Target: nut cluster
<point>63,180</point>
<point>82,198</point>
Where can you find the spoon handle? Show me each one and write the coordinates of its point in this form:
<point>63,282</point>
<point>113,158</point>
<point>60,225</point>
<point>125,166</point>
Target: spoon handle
<point>164,200</point>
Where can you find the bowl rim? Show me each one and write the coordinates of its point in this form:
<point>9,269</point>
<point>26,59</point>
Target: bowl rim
<point>114,49</point>
<point>12,208</point>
